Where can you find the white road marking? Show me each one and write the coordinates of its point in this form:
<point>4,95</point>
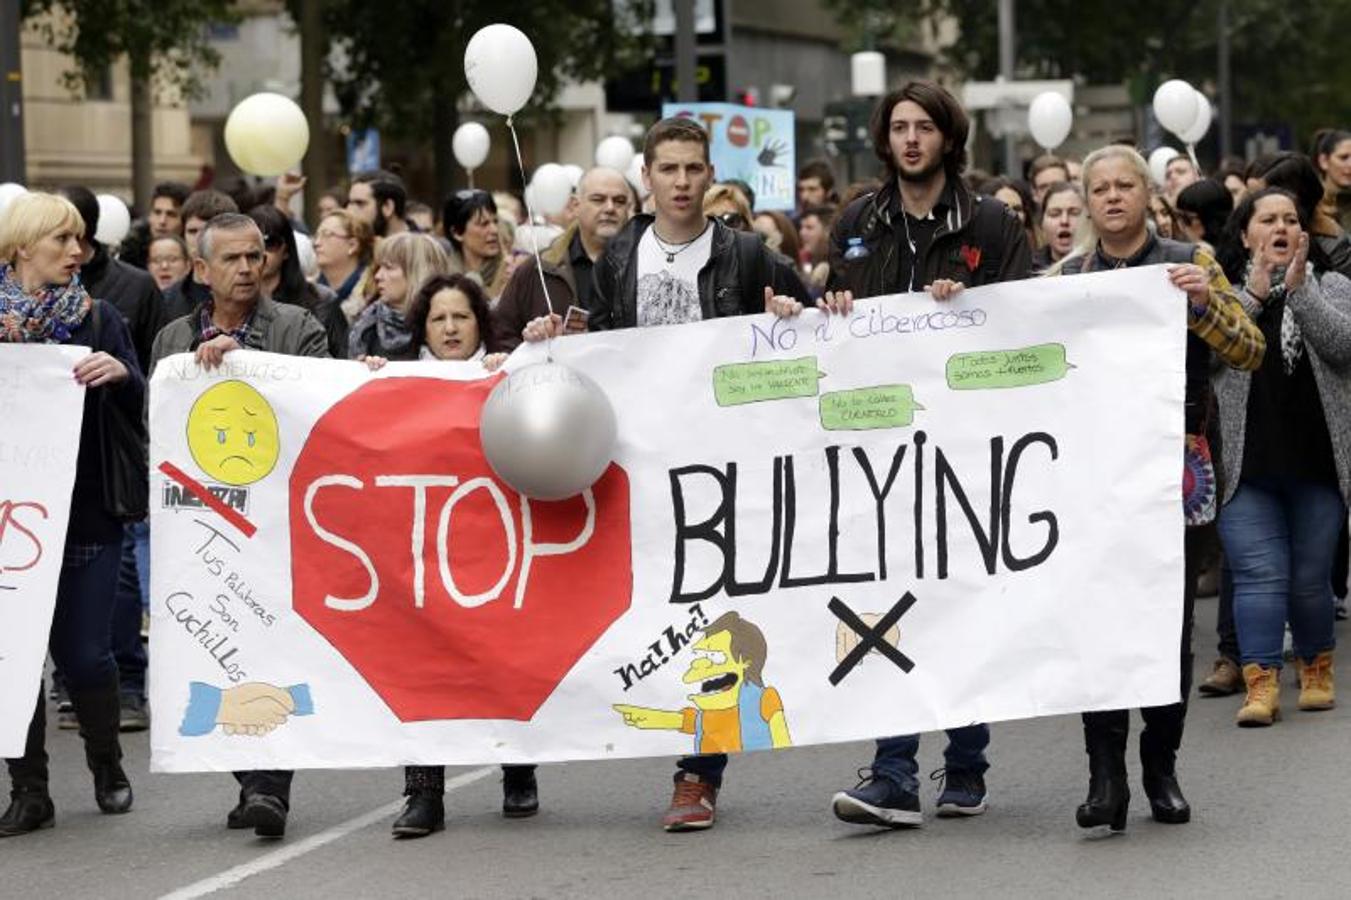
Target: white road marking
<point>280,857</point>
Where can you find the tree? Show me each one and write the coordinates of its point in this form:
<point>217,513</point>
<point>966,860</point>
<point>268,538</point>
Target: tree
<point>1287,61</point>
<point>164,41</point>
<point>400,65</point>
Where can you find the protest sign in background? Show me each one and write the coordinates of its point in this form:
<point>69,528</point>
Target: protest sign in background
<point>41,405</point>
<point>918,516</point>
<point>750,144</point>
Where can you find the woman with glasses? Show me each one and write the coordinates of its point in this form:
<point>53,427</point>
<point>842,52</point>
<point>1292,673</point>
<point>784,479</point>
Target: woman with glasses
<point>469,218</point>
<point>726,204</point>
<point>168,261</point>
<point>343,247</point>
<point>285,283</point>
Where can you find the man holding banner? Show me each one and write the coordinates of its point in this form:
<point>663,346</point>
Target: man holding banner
<point>230,263</point>
<point>674,267</point>
<point>922,231</point>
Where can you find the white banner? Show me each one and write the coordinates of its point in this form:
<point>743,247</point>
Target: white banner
<point>41,406</point>
<point>924,515</point>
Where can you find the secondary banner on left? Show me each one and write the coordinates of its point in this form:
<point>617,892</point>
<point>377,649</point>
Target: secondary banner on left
<point>41,406</point>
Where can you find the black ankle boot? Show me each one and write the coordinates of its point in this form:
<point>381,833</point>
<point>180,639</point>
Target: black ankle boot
<point>30,806</point>
<point>1158,757</point>
<point>100,714</point>
<point>1166,802</point>
<point>1108,793</point>
<point>424,813</point>
<point>28,811</point>
<point>520,793</point>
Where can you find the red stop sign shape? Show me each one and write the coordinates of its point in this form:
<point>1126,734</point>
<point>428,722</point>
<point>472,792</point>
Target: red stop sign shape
<point>452,595</point>
<point>738,131</point>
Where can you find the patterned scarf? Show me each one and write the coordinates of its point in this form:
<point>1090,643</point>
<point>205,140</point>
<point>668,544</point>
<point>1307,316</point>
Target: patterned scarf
<point>1292,341</point>
<point>48,317</point>
<point>392,337</point>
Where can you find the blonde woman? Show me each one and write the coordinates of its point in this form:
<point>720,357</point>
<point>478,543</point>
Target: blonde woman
<point>42,302</point>
<point>1116,235</point>
<point>343,247</point>
<point>727,204</point>
<point>403,264</point>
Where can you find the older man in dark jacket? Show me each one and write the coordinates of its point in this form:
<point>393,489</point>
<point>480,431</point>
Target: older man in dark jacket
<point>237,316</point>
<point>603,203</point>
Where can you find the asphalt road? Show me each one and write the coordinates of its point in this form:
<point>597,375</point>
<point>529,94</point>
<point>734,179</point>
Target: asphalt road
<point>1270,820</point>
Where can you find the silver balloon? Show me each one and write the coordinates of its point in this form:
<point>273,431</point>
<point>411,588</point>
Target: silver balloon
<point>548,431</point>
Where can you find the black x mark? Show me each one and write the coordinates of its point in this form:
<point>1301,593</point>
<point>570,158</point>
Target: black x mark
<point>871,638</point>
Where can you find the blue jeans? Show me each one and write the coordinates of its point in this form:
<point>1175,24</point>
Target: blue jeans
<point>133,597</point>
<point>81,643</point>
<point>1280,536</point>
<point>895,758</point>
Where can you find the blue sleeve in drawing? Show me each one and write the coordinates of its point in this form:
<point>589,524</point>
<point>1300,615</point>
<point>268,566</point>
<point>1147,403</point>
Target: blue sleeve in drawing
<point>300,693</point>
<point>200,716</point>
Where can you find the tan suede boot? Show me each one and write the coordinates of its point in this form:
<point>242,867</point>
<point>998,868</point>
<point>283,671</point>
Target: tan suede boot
<point>1263,703</point>
<point>1316,689</point>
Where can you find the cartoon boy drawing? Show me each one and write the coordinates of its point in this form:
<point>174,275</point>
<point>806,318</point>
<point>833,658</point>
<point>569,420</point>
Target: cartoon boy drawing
<point>733,710</point>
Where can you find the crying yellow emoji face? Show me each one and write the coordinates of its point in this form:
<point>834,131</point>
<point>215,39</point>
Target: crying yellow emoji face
<point>232,433</point>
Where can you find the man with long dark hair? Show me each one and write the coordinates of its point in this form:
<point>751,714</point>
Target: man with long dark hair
<point>923,230</point>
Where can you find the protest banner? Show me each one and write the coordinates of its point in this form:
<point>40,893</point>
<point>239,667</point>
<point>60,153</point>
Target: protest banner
<point>749,144</point>
<point>41,405</point>
<point>917,516</point>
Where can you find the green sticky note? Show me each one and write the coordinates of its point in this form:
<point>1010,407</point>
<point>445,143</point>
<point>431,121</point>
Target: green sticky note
<point>863,409</point>
<point>991,369</point>
<point>775,379</point>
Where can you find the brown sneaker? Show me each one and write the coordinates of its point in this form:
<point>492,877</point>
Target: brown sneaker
<point>693,805</point>
<point>1263,703</point>
<point>1224,679</point>
<point>1316,689</point>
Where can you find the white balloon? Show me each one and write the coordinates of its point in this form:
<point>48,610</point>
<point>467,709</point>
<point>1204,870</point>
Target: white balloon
<point>553,187</point>
<point>1199,128</point>
<point>8,191</point>
<point>575,174</point>
<point>1049,118</point>
<point>309,263</point>
<point>267,134</point>
<point>501,67</point>
<point>1175,106</point>
<point>470,145</point>
<point>114,220</point>
<point>1158,163</point>
<point>615,152</point>
<point>634,174</point>
<point>549,431</point>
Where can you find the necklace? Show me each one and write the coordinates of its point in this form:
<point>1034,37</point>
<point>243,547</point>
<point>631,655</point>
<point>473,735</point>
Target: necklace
<point>680,248</point>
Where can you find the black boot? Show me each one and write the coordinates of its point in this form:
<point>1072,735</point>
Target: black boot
<point>425,812</point>
<point>100,714</point>
<point>30,806</point>
<point>520,793</point>
<point>1108,793</point>
<point>1158,755</point>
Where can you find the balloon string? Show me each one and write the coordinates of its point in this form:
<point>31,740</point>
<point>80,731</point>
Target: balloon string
<point>1191,151</point>
<point>534,241</point>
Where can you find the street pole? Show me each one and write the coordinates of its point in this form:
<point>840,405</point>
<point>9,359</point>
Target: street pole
<point>1008,41</point>
<point>1226,86</point>
<point>687,60</point>
<point>12,164</point>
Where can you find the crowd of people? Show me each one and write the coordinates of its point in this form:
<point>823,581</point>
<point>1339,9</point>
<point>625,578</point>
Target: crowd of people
<point>1258,252</point>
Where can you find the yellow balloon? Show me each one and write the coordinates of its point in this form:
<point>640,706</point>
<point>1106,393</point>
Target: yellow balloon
<point>232,433</point>
<point>266,134</point>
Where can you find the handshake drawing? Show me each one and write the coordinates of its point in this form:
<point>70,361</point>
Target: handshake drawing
<point>253,709</point>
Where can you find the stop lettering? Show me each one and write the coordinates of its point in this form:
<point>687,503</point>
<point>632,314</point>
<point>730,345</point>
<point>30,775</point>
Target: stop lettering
<point>738,131</point>
<point>451,594</point>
